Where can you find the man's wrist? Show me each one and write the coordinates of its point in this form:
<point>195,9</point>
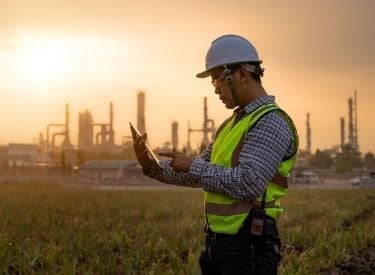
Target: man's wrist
<point>196,167</point>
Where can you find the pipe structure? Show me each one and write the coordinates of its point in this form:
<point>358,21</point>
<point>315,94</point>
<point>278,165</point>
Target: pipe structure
<point>66,143</point>
<point>48,127</point>
<point>106,129</point>
<point>103,132</point>
<point>208,127</point>
<point>57,134</point>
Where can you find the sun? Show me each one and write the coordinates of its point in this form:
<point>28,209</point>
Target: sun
<point>43,61</point>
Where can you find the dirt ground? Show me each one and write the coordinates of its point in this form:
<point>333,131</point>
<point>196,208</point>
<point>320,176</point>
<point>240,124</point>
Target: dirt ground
<point>361,262</point>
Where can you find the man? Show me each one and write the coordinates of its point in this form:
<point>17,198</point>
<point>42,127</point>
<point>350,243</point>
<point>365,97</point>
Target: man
<point>243,172</point>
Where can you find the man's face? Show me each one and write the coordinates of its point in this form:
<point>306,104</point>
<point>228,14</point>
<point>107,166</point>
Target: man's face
<point>222,88</point>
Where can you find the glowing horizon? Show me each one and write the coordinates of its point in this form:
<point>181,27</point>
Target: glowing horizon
<point>108,53</point>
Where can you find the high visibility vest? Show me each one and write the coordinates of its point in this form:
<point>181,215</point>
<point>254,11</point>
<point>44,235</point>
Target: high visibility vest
<point>225,214</point>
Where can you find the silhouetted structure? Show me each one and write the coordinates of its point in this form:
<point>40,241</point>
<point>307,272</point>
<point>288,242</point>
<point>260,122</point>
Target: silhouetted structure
<point>352,122</point>
<point>85,131</point>
<point>342,131</point>
<point>208,128</point>
<point>308,134</point>
<point>66,144</point>
<point>141,104</point>
<point>175,135</point>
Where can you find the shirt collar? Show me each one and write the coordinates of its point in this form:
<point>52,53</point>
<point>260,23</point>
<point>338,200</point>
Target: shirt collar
<point>263,100</point>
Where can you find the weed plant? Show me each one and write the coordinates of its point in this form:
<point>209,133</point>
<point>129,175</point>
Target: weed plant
<point>55,229</point>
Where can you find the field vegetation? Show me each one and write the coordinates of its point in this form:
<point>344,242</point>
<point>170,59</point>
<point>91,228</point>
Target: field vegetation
<point>56,229</point>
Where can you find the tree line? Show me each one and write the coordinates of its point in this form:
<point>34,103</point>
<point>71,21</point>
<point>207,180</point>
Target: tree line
<point>347,160</point>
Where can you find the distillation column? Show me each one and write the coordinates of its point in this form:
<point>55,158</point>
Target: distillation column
<point>350,124</point>
<point>175,136</point>
<point>85,131</point>
<point>308,134</point>
<point>141,125</point>
<point>342,132</point>
<point>66,143</point>
<point>355,121</point>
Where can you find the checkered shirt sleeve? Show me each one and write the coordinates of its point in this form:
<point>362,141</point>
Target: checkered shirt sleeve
<point>269,142</point>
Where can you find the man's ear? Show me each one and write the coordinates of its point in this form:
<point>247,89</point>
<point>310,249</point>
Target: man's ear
<point>243,75</point>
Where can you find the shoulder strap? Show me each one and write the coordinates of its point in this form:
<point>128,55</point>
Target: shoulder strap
<point>222,125</point>
<point>257,114</point>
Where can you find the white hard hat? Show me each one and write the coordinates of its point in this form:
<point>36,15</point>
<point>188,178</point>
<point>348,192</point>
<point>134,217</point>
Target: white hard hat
<point>229,49</point>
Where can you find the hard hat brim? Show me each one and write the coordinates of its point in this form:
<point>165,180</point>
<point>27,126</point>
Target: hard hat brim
<point>203,74</point>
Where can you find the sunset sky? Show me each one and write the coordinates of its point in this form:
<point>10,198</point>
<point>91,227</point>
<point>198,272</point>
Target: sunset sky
<point>90,53</point>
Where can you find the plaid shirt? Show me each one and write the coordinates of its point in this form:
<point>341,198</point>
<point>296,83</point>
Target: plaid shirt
<point>267,143</point>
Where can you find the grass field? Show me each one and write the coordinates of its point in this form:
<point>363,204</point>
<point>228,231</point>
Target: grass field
<point>52,229</point>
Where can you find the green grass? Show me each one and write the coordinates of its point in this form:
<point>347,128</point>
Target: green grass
<point>49,229</point>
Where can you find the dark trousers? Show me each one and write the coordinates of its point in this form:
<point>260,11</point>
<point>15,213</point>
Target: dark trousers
<point>242,253</point>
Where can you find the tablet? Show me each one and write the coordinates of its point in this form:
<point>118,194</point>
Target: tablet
<point>135,134</point>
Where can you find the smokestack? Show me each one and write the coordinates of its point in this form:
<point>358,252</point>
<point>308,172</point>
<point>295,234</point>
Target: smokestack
<point>350,123</point>
<point>342,132</point>
<point>66,143</point>
<point>67,117</point>
<point>141,125</point>
<point>355,121</point>
<point>175,135</point>
<point>188,146</point>
<point>308,134</point>
<point>205,140</point>
<point>111,131</point>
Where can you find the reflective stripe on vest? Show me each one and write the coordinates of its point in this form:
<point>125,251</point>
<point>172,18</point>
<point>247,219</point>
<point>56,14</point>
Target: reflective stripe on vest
<point>223,213</point>
<point>235,208</point>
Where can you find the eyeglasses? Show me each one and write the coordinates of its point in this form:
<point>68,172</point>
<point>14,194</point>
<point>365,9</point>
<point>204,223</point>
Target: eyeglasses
<point>217,82</point>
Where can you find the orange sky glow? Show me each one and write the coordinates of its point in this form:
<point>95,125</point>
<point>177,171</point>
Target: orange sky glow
<point>90,53</point>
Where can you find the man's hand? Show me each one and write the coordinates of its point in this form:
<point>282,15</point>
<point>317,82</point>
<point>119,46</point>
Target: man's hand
<point>141,152</point>
<point>179,162</point>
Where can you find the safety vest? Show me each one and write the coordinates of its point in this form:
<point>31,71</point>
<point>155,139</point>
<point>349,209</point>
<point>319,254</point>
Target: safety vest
<point>225,214</point>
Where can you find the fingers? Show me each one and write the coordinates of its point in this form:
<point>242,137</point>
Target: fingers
<point>174,165</point>
<point>139,144</point>
<point>141,140</point>
<point>175,162</point>
<point>141,151</point>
